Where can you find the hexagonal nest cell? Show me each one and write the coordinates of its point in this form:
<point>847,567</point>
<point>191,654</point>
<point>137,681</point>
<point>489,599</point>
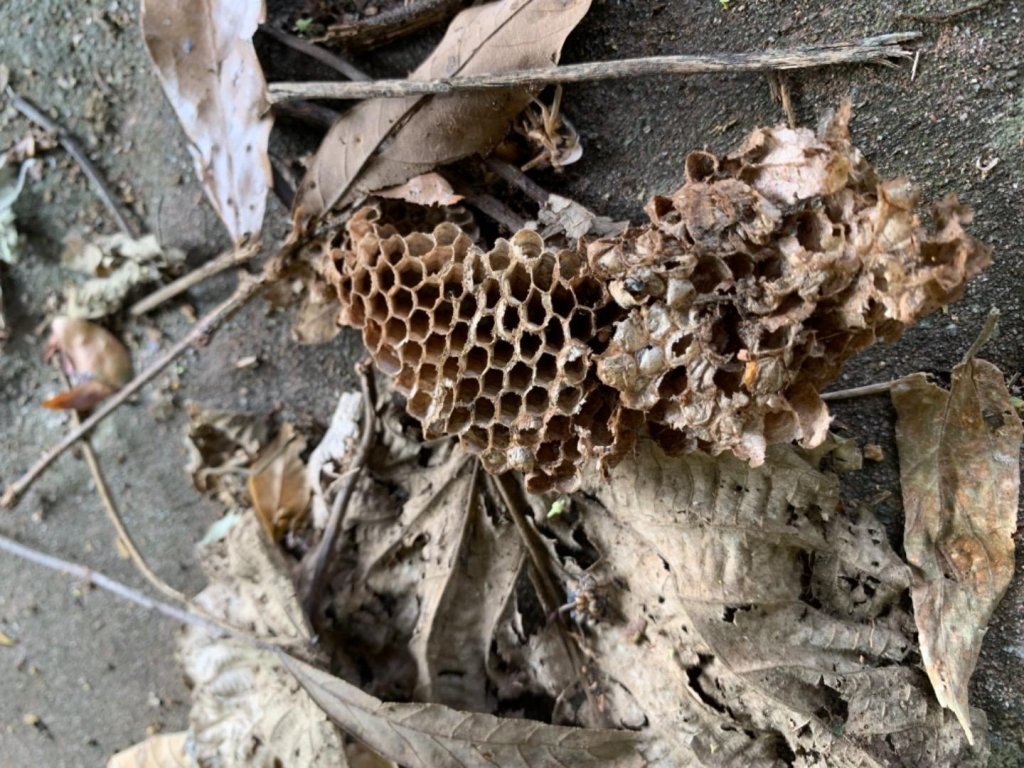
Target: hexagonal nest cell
<point>716,325</point>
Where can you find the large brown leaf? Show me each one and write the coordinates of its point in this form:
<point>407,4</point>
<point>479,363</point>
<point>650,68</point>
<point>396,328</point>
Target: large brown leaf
<point>204,56</point>
<point>960,472</point>
<point>434,736</point>
<point>382,142</point>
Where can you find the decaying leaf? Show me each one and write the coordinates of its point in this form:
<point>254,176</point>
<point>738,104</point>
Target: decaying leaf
<point>382,142</point>
<point>247,711</point>
<point>773,630</point>
<point>204,57</point>
<point>959,455</point>
<point>432,736</point>
<point>11,184</point>
<point>116,264</point>
<point>95,361</point>
<point>716,325</point>
<point>560,215</point>
<point>426,189</point>
<point>165,750</point>
<point>329,458</point>
<point>220,445</point>
<point>277,484</point>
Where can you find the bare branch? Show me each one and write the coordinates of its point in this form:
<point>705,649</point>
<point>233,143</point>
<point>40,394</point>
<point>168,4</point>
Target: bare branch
<point>870,50</point>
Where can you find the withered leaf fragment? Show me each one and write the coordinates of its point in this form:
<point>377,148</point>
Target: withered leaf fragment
<point>246,708</point>
<point>165,750</point>
<point>221,444</point>
<point>206,62</point>
<point>382,142</point>
<point>435,736</point>
<point>96,363</point>
<point>717,324</point>
<point>277,484</point>
<point>959,454</point>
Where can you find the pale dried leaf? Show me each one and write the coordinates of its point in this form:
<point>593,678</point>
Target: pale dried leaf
<point>562,215</point>
<point>96,363</point>
<point>425,189</point>
<point>277,485</point>
<point>770,621</point>
<point>959,454</point>
<point>333,451</point>
<point>165,750</point>
<point>316,320</point>
<point>434,736</point>
<point>204,57</point>
<point>247,710</point>
<point>382,142</point>
<point>11,184</point>
<point>116,264</point>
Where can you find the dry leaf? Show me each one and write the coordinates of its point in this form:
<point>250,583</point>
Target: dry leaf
<point>247,711</point>
<point>772,620</point>
<point>11,184</point>
<point>434,736</point>
<point>426,189</point>
<point>117,264</point>
<point>95,361</point>
<point>277,484</point>
<point>382,142</point>
<point>330,456</point>
<point>959,454</point>
<point>165,750</point>
<point>204,57</point>
<point>220,445</point>
<point>562,215</point>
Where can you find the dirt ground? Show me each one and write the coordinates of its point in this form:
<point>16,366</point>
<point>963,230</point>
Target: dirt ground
<point>99,674</point>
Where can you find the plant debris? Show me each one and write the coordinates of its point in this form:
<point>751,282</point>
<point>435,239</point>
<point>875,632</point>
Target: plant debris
<point>717,324</point>
<point>246,708</point>
<point>203,53</point>
<point>277,484</point>
<point>959,455</point>
<point>116,265</point>
<point>221,445</point>
<point>96,363</point>
<point>383,142</point>
<point>165,750</point>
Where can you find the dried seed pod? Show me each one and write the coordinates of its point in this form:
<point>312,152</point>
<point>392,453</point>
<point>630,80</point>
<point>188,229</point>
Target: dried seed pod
<point>716,324</point>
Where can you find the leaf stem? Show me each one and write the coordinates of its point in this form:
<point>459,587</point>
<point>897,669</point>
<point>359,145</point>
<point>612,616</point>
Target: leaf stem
<point>873,49</point>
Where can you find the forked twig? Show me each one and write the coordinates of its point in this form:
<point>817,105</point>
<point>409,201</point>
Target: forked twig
<point>314,566</point>
<point>248,287</point>
<point>872,49</point>
<point>73,148</point>
<point>235,257</point>
<point>110,507</point>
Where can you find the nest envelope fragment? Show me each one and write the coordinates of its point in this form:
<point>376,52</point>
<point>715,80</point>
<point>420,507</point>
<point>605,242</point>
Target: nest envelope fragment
<point>715,326</point>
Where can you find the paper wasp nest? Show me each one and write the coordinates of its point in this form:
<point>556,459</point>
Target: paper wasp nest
<point>716,325</point>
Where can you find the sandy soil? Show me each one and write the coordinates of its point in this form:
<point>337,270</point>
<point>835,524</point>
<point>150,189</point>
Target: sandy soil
<point>98,673</point>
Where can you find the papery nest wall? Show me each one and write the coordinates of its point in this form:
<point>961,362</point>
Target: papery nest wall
<point>716,325</point>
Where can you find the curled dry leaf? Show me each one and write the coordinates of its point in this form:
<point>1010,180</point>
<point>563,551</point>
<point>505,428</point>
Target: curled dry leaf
<point>204,57</point>
<point>95,361</point>
<point>382,142</point>
<point>277,484</point>
<point>716,325</point>
<point>116,265</point>
<point>247,710</point>
<point>425,189</point>
<point>165,750</point>
<point>434,736</point>
<point>221,444</point>
<point>959,454</point>
<point>772,621</point>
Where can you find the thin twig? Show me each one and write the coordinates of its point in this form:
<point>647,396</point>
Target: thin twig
<point>332,60</point>
<point>518,179</point>
<point>874,49</point>
<point>991,322</point>
<point>110,507</point>
<point>73,148</point>
<point>314,566</point>
<point>497,210</point>
<point>235,257</point>
<point>913,68</point>
<point>248,287</point>
<point>880,388</point>
<point>393,24</point>
<point>939,18</point>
